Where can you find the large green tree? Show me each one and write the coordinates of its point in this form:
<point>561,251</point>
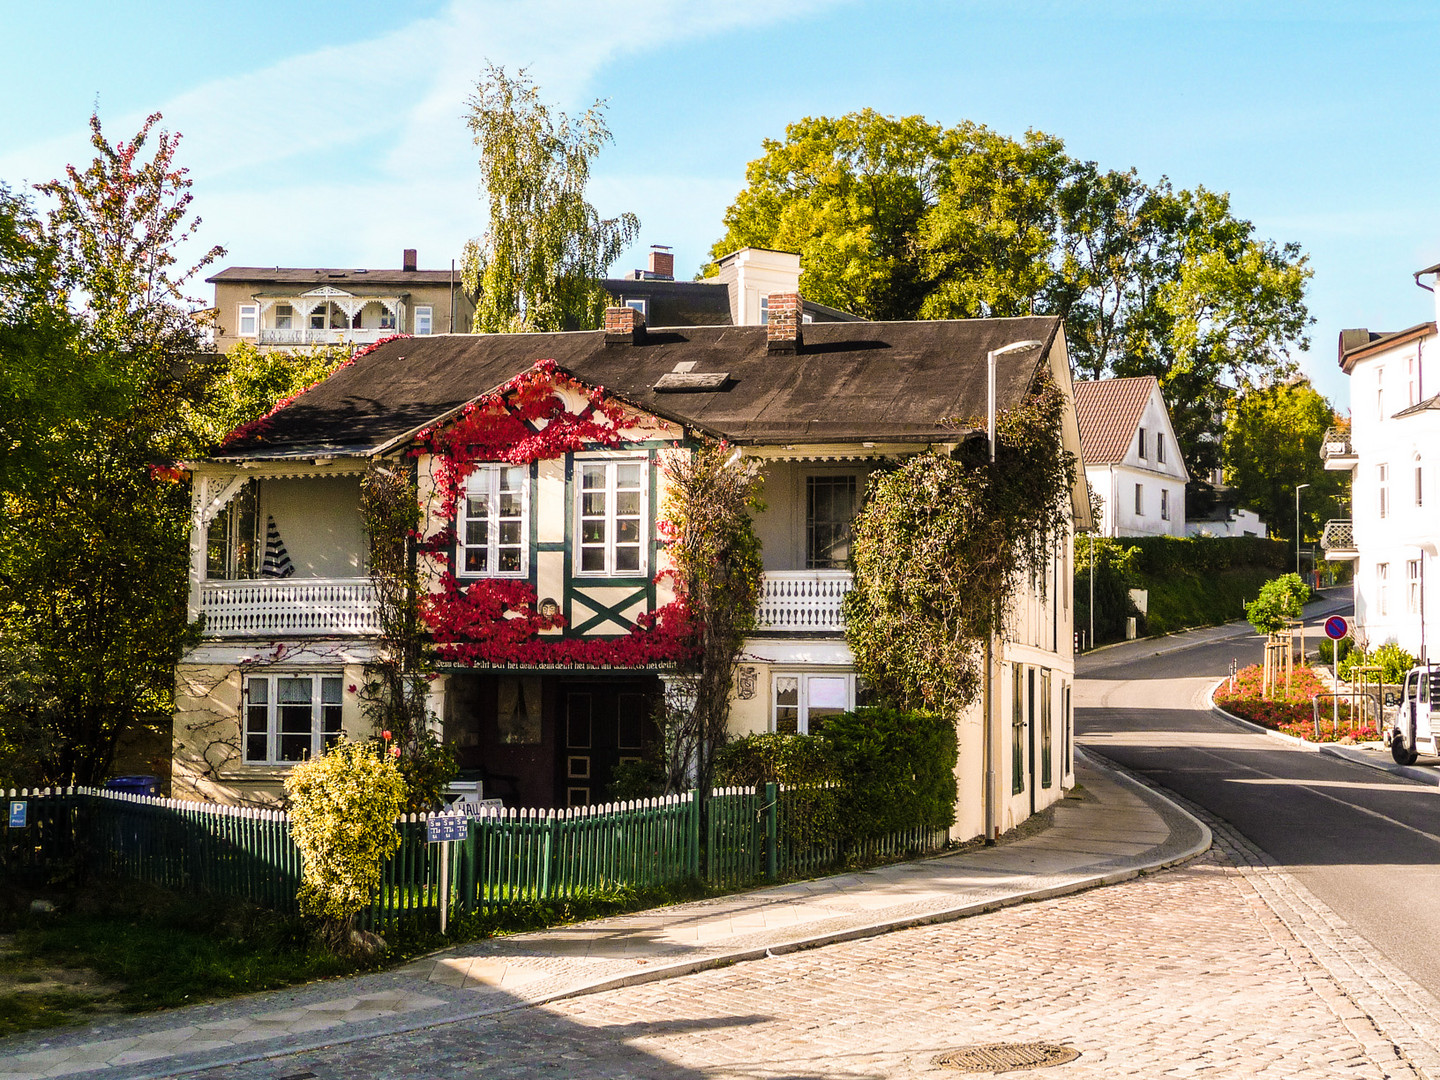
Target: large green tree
<point>541,263</point>
<point>92,535</point>
<point>1272,445</point>
<point>900,218</point>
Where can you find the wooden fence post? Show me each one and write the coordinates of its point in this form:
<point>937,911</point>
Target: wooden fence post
<point>771,810</point>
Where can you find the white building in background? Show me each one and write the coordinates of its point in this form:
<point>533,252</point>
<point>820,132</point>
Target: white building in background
<point>1392,452</point>
<point>1132,459</point>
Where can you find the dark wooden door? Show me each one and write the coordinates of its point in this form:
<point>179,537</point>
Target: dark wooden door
<point>601,725</point>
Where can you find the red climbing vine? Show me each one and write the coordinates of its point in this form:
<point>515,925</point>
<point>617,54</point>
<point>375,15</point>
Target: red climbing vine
<point>495,620</point>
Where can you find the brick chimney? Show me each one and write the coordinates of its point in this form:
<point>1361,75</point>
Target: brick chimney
<point>408,262</point>
<point>624,326</point>
<point>662,262</point>
<point>783,332</point>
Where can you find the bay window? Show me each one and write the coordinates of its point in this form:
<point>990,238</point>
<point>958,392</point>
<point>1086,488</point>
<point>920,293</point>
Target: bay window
<point>494,523</point>
<point>291,716</point>
<point>612,501</point>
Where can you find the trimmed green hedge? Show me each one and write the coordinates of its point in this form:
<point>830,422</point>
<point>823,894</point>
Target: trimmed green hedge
<point>895,769</point>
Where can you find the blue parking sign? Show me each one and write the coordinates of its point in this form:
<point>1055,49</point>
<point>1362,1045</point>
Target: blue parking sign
<point>17,813</point>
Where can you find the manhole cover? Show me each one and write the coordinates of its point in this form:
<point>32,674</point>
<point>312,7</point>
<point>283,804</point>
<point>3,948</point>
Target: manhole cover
<point>1006,1057</point>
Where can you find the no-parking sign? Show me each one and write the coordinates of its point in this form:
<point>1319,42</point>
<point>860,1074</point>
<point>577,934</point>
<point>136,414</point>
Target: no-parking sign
<point>1336,627</point>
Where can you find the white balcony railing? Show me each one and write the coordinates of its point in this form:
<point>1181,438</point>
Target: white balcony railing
<point>805,600</point>
<point>339,336</point>
<point>1338,540</point>
<point>1336,450</point>
<point>281,607</point>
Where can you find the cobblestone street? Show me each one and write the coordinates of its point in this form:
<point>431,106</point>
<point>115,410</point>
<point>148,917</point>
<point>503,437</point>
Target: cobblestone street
<point>1189,972</point>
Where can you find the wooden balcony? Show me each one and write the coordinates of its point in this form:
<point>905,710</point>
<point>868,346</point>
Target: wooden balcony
<point>289,607</point>
<point>803,601</point>
<point>1338,540</point>
<point>338,336</point>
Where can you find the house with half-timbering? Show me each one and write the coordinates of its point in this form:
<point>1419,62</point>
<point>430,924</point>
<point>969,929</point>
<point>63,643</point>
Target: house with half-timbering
<point>539,459</point>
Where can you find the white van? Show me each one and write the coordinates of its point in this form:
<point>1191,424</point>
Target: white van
<point>1410,733</point>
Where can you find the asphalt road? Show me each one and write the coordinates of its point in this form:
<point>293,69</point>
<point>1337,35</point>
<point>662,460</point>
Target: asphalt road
<point>1365,842</point>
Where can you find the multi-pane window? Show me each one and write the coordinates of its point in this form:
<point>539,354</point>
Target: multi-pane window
<point>1382,588</point>
<point>424,320</point>
<point>493,530</point>
<point>284,316</point>
<point>612,517</point>
<point>830,503</point>
<point>291,717</point>
<point>1384,487</point>
<point>232,542</point>
<point>1412,586</point>
<point>801,701</point>
<point>248,319</point>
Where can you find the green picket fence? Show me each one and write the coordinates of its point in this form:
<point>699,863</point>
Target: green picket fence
<point>510,855</point>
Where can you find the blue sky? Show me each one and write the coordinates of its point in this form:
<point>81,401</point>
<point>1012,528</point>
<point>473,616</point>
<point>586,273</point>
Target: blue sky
<point>332,133</point>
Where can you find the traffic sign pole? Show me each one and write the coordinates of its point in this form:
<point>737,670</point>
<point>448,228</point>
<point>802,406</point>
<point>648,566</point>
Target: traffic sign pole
<point>1336,627</point>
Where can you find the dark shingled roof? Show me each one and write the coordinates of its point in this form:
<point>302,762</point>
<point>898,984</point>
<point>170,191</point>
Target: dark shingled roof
<point>341,279</point>
<point>877,381</point>
<point>675,303</point>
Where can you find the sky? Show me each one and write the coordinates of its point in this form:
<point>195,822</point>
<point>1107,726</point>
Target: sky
<point>332,133</point>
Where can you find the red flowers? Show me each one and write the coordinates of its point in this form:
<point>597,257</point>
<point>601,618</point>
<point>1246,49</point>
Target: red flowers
<point>1290,710</point>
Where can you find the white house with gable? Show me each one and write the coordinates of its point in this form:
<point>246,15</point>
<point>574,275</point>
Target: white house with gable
<point>1132,459</point>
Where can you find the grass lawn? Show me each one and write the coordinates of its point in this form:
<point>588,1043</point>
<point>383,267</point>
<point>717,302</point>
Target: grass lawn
<point>120,947</point>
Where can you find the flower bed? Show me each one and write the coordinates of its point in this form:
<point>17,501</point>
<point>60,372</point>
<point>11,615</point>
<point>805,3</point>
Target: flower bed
<point>1289,709</point>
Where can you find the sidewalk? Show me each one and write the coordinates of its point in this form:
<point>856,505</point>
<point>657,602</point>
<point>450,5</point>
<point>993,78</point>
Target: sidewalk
<point>1111,830</point>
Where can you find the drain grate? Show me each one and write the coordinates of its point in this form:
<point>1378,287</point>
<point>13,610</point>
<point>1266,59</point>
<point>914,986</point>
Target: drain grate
<point>1006,1057</point>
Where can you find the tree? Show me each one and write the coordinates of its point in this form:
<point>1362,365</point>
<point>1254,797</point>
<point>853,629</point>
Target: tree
<point>710,491</point>
<point>93,529</point>
<point>942,543</point>
<point>1272,445</point>
<point>903,219</point>
<point>542,260</point>
<point>397,679</point>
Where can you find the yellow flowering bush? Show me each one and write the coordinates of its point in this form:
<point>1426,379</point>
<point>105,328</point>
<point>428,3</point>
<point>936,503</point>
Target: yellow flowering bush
<point>343,808</point>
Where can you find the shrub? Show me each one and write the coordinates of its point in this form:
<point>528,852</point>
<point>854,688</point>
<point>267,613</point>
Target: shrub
<point>775,759</point>
<point>1327,650</point>
<point>1280,600</point>
<point>343,808</point>
<point>897,770</point>
<point>642,779</point>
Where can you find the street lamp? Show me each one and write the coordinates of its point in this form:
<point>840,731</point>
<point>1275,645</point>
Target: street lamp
<point>990,358</point>
<point>992,719</point>
<point>1297,527</point>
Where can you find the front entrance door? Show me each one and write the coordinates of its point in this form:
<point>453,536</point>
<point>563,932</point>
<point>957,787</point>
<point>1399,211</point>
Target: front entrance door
<point>603,725</point>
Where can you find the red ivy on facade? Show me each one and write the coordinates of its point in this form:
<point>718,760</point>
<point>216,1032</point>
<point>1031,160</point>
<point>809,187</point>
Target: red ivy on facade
<point>496,621</point>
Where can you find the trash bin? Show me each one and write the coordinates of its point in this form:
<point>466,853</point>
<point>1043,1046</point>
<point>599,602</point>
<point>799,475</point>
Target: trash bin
<point>134,785</point>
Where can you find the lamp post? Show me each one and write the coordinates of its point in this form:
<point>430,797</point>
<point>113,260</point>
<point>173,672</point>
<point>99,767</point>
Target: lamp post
<point>1297,527</point>
<point>992,720</point>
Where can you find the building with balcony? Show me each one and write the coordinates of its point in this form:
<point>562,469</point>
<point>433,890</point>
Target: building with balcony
<point>1132,460</point>
<point>540,459</point>
<point>284,307</point>
<point>1392,453</point>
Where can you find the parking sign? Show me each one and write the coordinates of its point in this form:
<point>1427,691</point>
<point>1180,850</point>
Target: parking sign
<point>17,813</point>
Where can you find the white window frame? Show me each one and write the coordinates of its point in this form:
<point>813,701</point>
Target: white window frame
<point>1141,446</point>
<point>1382,588</point>
<point>803,676</point>
<point>287,313</point>
<point>610,544</point>
<point>1139,500</point>
<point>268,711</point>
<point>424,320</point>
<point>639,304</point>
<point>1412,586</point>
<point>489,477</point>
<point>1164,504</point>
<point>1419,485</point>
<point>1159,449</point>
<point>1382,473</point>
<point>250,312</point>
<point>1380,392</point>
